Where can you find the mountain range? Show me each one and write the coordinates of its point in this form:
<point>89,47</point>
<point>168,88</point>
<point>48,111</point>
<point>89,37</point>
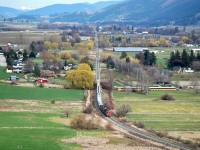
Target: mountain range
<point>135,12</point>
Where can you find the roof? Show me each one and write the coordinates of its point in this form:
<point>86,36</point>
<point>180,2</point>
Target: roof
<point>129,49</point>
<point>176,68</point>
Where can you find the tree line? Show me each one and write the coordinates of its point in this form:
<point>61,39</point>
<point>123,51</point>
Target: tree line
<point>183,59</point>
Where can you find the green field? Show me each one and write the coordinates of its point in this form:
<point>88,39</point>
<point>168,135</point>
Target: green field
<point>13,92</point>
<point>23,130</point>
<point>183,114</point>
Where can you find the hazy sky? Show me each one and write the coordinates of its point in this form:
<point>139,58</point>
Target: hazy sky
<point>32,4</point>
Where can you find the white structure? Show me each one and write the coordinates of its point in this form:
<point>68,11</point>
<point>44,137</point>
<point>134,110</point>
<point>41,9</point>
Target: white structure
<point>189,70</point>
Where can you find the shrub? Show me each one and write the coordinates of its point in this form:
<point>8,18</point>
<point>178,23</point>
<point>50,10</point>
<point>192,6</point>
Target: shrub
<point>139,125</point>
<point>167,97</point>
<point>53,102</point>
<point>122,110</point>
<point>80,122</point>
<point>109,127</point>
<point>88,110</point>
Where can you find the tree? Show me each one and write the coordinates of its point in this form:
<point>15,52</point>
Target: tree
<point>128,60</point>
<point>185,58</point>
<point>177,56</point>
<point>196,65</point>
<point>171,60</point>
<point>123,55</point>
<point>192,56</point>
<point>198,56</point>
<point>153,59</point>
<point>25,57</point>
<point>32,46</point>
<point>28,66</point>
<point>110,63</point>
<point>47,45</point>
<point>54,45</point>
<point>32,55</point>
<point>66,45</point>
<point>81,78</point>
<point>36,71</point>
<point>147,58</point>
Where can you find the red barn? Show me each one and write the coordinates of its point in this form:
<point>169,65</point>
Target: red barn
<point>41,80</point>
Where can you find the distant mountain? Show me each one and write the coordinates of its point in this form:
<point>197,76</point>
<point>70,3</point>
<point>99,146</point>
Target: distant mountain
<point>6,11</point>
<point>150,11</point>
<point>69,8</point>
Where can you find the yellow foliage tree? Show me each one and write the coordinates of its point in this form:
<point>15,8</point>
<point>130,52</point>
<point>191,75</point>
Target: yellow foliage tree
<point>47,44</point>
<point>65,55</point>
<point>54,45</point>
<point>90,44</point>
<point>66,45</point>
<point>81,78</point>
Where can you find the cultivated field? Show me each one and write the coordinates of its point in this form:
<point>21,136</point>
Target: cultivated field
<point>183,114</point>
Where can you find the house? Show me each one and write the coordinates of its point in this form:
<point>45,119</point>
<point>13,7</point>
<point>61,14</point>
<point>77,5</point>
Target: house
<point>9,70</point>
<point>188,70</point>
<point>176,69</point>
<point>41,80</point>
<point>195,50</point>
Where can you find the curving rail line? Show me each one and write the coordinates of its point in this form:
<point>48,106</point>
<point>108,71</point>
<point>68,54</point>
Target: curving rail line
<point>131,130</point>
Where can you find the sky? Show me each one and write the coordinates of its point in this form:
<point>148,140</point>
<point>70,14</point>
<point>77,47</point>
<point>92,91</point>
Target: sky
<point>33,4</point>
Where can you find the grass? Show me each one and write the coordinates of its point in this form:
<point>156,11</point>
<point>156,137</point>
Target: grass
<point>179,115</point>
<point>27,119</point>
<point>13,92</point>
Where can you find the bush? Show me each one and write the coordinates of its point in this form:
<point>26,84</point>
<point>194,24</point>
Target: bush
<point>80,122</point>
<point>122,110</point>
<point>88,110</point>
<point>139,125</point>
<point>53,102</point>
<point>109,127</point>
<point>167,97</point>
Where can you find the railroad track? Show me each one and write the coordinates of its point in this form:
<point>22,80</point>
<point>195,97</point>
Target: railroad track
<point>131,130</point>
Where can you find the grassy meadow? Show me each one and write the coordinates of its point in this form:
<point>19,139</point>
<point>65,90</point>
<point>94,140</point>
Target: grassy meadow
<point>20,93</point>
<point>28,119</point>
<point>183,114</point>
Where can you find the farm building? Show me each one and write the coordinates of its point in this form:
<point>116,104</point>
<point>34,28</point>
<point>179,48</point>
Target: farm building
<point>177,69</point>
<point>41,80</point>
<point>129,49</point>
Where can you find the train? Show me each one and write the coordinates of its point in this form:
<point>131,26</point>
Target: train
<point>101,106</point>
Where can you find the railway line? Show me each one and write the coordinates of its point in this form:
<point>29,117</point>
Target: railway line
<point>131,130</point>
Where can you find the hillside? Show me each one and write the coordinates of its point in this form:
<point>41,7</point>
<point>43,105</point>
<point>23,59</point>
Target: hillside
<point>150,10</point>
<point>70,8</point>
<point>6,11</point>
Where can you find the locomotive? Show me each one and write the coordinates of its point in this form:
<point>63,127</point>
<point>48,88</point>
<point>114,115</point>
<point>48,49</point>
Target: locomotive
<point>102,107</point>
<point>104,110</point>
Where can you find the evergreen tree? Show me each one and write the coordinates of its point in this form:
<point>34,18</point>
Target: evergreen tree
<point>198,56</point>
<point>177,56</point>
<point>171,60</point>
<point>192,56</point>
<point>36,71</point>
<point>185,58</point>
<point>147,58</point>
<point>153,59</point>
<point>32,46</point>
<point>123,55</point>
<point>25,57</point>
<point>32,55</point>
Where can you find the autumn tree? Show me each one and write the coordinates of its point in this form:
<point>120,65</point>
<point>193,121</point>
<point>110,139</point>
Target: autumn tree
<point>81,78</point>
<point>54,45</point>
<point>47,45</point>
<point>66,45</point>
